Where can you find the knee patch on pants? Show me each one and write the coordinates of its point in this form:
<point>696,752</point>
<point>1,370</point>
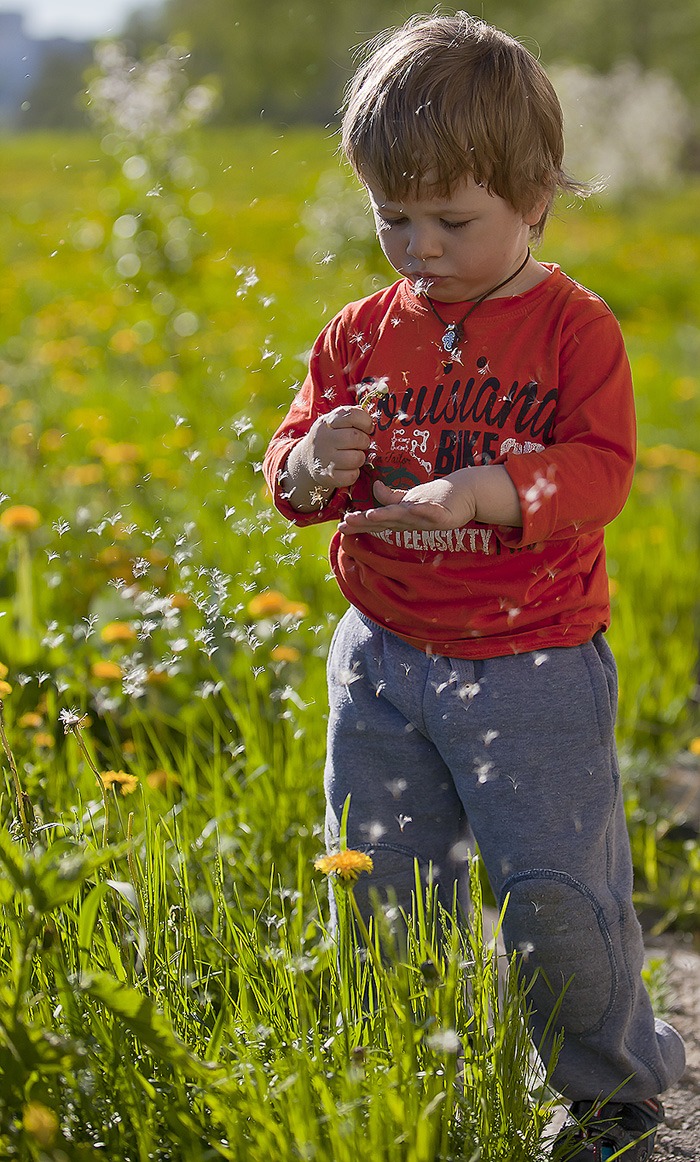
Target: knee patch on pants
<point>558,927</point>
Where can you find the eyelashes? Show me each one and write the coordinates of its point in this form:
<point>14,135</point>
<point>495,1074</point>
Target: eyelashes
<point>390,222</point>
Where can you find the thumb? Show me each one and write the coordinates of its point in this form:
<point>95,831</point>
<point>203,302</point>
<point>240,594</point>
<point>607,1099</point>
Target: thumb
<point>386,495</point>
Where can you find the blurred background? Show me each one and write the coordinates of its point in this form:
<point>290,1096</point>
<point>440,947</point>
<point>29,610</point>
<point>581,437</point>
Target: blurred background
<point>288,60</point>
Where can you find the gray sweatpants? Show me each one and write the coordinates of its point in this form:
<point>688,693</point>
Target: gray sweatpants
<point>519,749</point>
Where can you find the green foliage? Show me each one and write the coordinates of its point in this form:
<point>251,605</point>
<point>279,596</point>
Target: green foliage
<point>290,62</point>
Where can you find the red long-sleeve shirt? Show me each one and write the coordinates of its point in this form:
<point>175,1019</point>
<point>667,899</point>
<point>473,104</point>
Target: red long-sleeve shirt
<point>542,386</point>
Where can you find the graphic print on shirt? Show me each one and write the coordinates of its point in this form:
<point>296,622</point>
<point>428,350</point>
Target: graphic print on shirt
<point>462,421</point>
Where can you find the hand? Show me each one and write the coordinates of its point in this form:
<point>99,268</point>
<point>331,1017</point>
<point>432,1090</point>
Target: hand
<point>335,447</point>
<point>447,503</point>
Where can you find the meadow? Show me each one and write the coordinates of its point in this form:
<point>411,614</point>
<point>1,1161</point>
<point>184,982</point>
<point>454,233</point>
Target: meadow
<point>169,987</point>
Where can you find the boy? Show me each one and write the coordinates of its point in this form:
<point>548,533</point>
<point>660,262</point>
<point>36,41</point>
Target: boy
<point>472,429</point>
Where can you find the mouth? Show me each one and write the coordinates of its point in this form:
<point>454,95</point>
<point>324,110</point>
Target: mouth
<point>421,283</point>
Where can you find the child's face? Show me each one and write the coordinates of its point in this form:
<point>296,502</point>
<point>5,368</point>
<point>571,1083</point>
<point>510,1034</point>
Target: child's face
<point>461,245</point>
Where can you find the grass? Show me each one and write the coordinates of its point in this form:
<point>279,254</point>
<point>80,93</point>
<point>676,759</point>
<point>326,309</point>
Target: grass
<point>169,987</point>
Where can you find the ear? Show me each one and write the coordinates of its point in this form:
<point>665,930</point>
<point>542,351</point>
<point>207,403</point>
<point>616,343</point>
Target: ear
<point>534,216</point>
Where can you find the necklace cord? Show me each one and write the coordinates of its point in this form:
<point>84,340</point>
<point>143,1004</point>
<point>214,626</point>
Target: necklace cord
<point>454,331</point>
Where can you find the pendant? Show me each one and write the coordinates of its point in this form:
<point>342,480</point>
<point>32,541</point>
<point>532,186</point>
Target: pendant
<point>451,338</point>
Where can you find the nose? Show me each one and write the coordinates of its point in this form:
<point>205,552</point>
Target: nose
<point>423,243</point>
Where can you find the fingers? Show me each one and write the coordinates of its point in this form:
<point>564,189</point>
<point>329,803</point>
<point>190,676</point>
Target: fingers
<point>393,517</point>
<point>386,495</point>
<point>350,417</point>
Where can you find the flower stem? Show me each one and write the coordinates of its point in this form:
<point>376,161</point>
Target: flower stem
<point>24,805</point>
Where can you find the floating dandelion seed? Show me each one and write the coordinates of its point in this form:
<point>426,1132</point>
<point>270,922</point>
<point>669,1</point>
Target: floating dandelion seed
<point>540,659</point>
<point>483,771</point>
<point>403,820</point>
<point>421,286</point>
<point>346,866</point>
<point>444,1041</point>
<point>396,787</point>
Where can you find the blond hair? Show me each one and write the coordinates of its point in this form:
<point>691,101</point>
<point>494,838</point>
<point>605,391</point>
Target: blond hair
<point>443,98</point>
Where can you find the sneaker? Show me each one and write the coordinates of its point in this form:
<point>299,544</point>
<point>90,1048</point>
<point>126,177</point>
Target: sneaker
<point>596,1133</point>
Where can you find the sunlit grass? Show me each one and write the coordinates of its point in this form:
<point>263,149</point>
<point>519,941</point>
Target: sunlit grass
<point>158,593</point>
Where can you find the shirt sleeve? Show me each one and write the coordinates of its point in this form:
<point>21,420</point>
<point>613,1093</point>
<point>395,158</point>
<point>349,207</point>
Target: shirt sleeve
<point>581,481</point>
<point>326,387</point>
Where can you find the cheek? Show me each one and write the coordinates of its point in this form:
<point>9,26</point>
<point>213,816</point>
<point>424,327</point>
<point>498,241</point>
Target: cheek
<point>391,246</point>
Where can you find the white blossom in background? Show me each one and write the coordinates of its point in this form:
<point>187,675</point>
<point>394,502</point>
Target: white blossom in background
<point>147,111</point>
<point>625,129</point>
<point>146,102</point>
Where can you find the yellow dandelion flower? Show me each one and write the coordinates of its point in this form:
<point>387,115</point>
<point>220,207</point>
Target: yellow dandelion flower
<point>40,1123</point>
<point>694,746</point>
<point>272,602</point>
<point>81,475</point>
<point>30,720</point>
<point>117,631</point>
<point>122,453</point>
<point>50,440</point>
<point>345,865</point>
<point>297,607</point>
<point>267,604</point>
<point>106,671</point>
<point>285,654</point>
<point>163,381</point>
<point>4,671</point>
<point>124,342</point>
<point>127,784</point>
<point>5,688</point>
<point>20,518</point>
<point>44,740</point>
<point>180,600</point>
<point>163,781</point>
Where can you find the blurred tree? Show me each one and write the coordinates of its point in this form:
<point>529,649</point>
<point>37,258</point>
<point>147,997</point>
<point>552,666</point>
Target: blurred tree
<point>289,59</point>
<point>286,59</point>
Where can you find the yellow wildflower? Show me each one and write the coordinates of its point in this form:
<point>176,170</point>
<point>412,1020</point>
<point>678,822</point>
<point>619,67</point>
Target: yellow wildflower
<point>273,602</point>
<point>267,604</point>
<point>31,720</point>
<point>5,689</point>
<point>44,740</point>
<point>40,1123</point>
<point>127,784</point>
<point>106,671</point>
<point>20,518</point>
<point>163,381</point>
<point>346,865</point>
<point>117,631</point>
<point>3,670</point>
<point>180,600</point>
<point>163,781</point>
<point>285,654</point>
<point>80,475</point>
<point>694,746</point>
